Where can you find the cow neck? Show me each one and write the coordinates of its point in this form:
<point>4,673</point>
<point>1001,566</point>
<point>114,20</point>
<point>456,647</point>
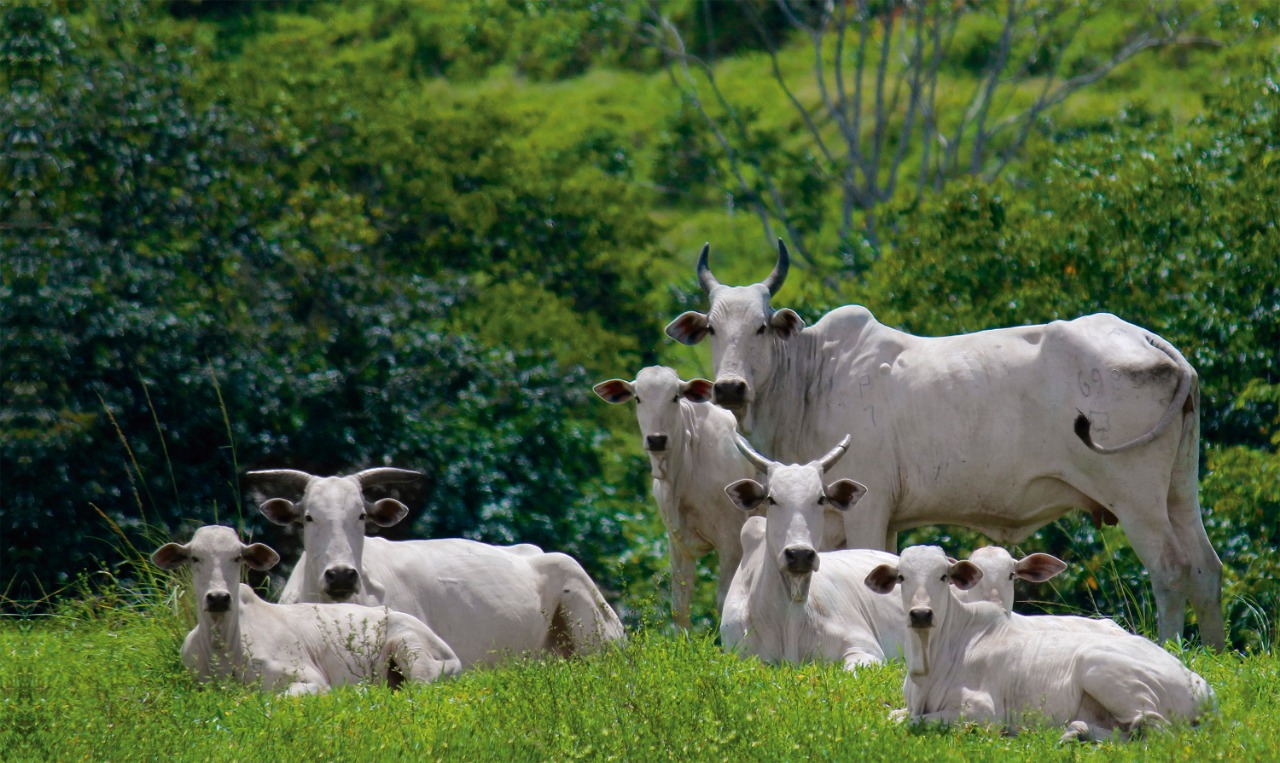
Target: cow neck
<point>964,624</point>
<point>794,631</point>
<point>783,415</point>
<point>679,458</point>
<point>221,638</point>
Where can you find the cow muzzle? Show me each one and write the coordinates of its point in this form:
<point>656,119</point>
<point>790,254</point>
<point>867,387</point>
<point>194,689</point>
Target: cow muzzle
<point>800,560</point>
<point>217,601</point>
<point>730,393</point>
<point>655,443</point>
<point>920,617</point>
<point>340,582</point>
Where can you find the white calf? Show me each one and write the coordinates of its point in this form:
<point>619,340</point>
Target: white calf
<point>788,602</point>
<point>1000,569</point>
<point>969,661</point>
<point>298,648</point>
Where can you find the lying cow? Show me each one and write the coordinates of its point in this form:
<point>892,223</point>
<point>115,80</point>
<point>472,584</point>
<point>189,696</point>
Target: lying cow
<point>297,648</point>
<point>969,661</point>
<point>789,602</point>
<point>1000,569</point>
<point>484,601</point>
<point>1010,418</point>
<point>691,459</point>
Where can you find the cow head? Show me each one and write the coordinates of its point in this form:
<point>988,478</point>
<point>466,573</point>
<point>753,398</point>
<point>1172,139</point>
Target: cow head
<point>215,554</point>
<point>1000,569</point>
<point>924,576</point>
<point>333,513</point>
<point>657,391</point>
<point>745,331</point>
<point>795,502</point>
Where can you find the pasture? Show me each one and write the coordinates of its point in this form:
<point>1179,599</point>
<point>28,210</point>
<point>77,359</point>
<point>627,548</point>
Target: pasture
<point>102,681</point>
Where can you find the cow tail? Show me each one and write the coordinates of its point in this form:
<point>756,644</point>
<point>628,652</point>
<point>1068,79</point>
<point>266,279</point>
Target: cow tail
<point>1180,400</point>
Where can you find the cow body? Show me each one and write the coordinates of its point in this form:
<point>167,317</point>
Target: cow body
<point>790,603</point>
<point>692,457</point>
<point>1000,569</point>
<point>990,430</point>
<point>970,662</point>
<point>298,648</point>
<point>486,602</point>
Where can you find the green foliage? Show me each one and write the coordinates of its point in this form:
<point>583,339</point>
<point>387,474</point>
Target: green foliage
<point>656,698</point>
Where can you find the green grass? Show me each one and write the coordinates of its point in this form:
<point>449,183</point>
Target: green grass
<point>106,683</point>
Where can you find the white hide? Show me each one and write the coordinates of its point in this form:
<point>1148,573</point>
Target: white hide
<point>1000,570</point>
<point>789,603</point>
<point>970,662</point>
<point>985,430</point>
<point>294,648</point>
<point>487,602</point>
<point>691,458</point>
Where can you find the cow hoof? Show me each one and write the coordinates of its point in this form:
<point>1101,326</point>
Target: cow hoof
<point>1077,731</point>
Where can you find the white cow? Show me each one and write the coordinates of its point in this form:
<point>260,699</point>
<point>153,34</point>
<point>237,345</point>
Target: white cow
<point>789,602</point>
<point>691,459</point>
<point>969,661</point>
<point>991,430</point>
<point>485,601</point>
<point>297,648</point>
<point>1000,569</point>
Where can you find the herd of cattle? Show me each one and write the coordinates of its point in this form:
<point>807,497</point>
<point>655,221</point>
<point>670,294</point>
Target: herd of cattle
<point>993,430</point>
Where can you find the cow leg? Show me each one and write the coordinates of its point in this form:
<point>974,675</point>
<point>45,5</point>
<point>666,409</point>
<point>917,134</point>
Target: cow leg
<point>1204,574</point>
<point>683,572</point>
<point>416,653</point>
<point>730,558</point>
<point>1157,546</point>
<point>867,524</point>
<point>581,620</point>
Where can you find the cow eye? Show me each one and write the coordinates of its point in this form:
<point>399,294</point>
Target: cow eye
<point>1012,575</point>
<point>675,399</point>
<point>772,502</point>
<point>195,559</point>
<point>901,579</point>
<point>362,516</point>
<point>309,518</point>
<point>944,577</point>
<point>760,331</point>
<point>822,499</point>
<point>711,331</point>
<point>637,401</point>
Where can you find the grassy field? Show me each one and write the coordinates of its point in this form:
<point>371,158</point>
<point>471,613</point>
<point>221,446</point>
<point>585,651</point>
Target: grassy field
<point>104,682</point>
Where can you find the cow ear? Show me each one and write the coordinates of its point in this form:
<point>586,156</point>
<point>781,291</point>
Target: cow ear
<point>387,512</point>
<point>697,390</point>
<point>746,494</point>
<point>282,511</point>
<point>170,556</point>
<point>259,556</point>
<point>615,391</point>
<point>964,574</point>
<point>883,579</point>
<point>1038,568</point>
<point>843,494</point>
<point>688,328</point>
<point>786,323</point>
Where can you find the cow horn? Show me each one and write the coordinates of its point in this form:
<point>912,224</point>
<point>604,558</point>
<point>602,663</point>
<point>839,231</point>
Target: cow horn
<point>779,274</point>
<point>757,460</point>
<point>705,279</point>
<point>831,458</point>
<point>384,475</point>
<point>274,483</point>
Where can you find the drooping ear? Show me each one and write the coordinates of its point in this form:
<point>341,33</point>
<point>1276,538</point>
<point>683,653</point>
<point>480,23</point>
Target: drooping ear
<point>843,494</point>
<point>688,328</point>
<point>1038,568</point>
<point>697,390</point>
<point>786,323</point>
<point>964,574</point>
<point>281,511</point>
<point>883,579</point>
<point>170,556</point>
<point>615,391</point>
<point>387,512</point>
<point>259,556</point>
<point>746,494</point>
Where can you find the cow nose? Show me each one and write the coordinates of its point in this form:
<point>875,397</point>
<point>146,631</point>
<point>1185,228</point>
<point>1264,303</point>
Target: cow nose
<point>921,617</point>
<point>800,560</point>
<point>341,580</point>
<point>730,393</point>
<point>217,601</point>
<point>656,442</point>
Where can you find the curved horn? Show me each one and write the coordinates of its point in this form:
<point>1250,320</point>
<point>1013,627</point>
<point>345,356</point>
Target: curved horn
<point>757,460</point>
<point>705,279</point>
<point>779,274</point>
<point>831,458</point>
<point>277,483</point>
<point>385,475</point>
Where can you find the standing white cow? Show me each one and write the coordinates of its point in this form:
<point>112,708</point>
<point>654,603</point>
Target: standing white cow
<point>789,602</point>
<point>485,601</point>
<point>297,648</point>
<point>990,430</point>
<point>691,459</point>
<point>969,661</point>
<point>1000,570</point>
